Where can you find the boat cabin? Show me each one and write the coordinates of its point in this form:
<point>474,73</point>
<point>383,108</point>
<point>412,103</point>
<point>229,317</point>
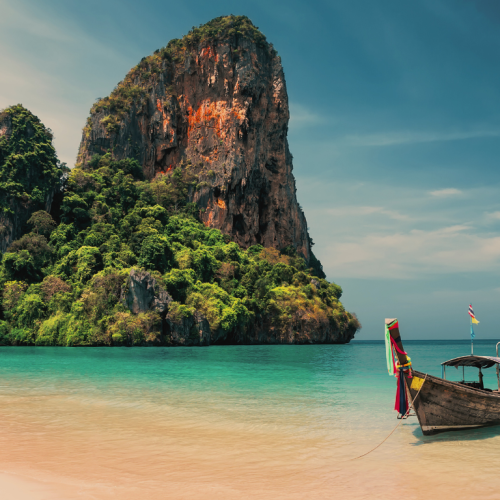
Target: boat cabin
<point>480,362</point>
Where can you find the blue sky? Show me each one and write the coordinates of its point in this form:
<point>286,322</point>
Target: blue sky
<point>394,129</point>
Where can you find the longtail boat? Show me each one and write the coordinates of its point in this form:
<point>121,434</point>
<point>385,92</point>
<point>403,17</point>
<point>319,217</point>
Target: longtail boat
<point>442,405</point>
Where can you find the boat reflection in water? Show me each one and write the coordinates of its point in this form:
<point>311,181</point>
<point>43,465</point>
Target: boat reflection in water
<point>442,405</point>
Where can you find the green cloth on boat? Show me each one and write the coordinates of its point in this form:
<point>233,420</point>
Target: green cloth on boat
<point>388,351</point>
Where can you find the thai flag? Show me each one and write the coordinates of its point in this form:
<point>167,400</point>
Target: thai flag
<point>471,312</point>
<point>472,316</point>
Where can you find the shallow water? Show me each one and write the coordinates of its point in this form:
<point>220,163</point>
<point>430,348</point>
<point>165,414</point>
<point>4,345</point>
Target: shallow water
<point>230,422</point>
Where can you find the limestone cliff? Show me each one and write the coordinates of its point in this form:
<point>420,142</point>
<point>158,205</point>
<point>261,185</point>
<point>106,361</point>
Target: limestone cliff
<point>30,173</point>
<point>216,101</point>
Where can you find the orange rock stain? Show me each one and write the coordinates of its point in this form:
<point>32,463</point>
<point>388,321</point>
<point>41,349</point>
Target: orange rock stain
<point>209,53</point>
<point>210,219</point>
<point>216,115</point>
<point>165,118</point>
<point>210,212</point>
<point>161,173</point>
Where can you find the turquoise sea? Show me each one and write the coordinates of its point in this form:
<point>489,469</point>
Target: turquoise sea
<point>233,422</point>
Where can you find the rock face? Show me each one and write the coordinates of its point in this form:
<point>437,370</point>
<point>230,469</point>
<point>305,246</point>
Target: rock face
<point>189,331</point>
<point>304,332</point>
<point>30,173</point>
<point>143,294</point>
<point>215,101</point>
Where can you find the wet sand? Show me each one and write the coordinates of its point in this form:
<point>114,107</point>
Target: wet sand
<point>91,450</point>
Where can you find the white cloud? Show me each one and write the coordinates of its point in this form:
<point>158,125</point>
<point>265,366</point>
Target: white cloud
<point>414,253</point>
<point>390,138</point>
<point>363,211</point>
<point>443,193</point>
<point>492,215</point>
<point>302,117</point>
<point>367,230</point>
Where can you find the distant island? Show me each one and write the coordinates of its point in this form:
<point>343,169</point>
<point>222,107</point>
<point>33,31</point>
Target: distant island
<point>179,224</point>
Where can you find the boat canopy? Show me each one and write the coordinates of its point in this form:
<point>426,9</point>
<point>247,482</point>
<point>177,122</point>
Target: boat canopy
<point>475,361</point>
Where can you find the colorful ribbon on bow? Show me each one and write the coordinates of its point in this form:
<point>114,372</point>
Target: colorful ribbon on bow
<point>401,404</point>
<point>396,346</point>
<point>389,355</point>
<point>395,368</point>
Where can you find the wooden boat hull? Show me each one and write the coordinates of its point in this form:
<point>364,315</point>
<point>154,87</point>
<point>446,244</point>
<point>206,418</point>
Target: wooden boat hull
<point>443,406</point>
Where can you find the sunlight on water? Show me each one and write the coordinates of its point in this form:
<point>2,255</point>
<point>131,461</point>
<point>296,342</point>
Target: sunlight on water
<point>232,422</point>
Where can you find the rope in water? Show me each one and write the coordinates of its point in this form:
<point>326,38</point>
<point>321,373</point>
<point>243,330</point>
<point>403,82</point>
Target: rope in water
<point>399,423</point>
<point>368,452</point>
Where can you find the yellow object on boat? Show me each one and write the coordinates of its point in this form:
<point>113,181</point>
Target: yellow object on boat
<point>417,383</point>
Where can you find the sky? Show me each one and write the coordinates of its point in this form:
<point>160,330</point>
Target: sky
<point>394,130</point>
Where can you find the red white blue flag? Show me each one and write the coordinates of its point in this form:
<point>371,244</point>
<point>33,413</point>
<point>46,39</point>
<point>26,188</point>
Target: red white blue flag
<point>471,314</point>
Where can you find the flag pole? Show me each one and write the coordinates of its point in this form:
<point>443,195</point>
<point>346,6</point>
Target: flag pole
<point>471,339</point>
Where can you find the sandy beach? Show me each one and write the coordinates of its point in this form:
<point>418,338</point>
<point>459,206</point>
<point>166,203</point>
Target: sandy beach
<point>226,424</point>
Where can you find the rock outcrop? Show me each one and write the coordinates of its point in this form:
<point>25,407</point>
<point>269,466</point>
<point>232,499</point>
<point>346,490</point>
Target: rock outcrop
<point>187,331</point>
<point>215,101</point>
<point>181,327</point>
<point>30,173</point>
<point>303,331</point>
<point>142,294</point>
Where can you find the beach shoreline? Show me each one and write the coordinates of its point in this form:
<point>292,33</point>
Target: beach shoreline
<point>253,423</point>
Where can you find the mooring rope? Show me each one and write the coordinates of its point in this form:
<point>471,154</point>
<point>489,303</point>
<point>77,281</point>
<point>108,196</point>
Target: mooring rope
<point>399,423</point>
<point>312,469</point>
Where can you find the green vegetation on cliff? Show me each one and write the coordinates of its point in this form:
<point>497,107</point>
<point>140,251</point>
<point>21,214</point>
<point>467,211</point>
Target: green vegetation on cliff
<point>29,168</point>
<point>64,284</point>
<point>222,27</point>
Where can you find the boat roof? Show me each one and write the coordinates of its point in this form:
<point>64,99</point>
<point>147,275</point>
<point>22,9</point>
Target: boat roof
<point>476,361</point>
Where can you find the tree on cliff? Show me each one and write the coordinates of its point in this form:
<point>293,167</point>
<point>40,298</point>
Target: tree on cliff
<point>69,289</point>
<point>30,173</point>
